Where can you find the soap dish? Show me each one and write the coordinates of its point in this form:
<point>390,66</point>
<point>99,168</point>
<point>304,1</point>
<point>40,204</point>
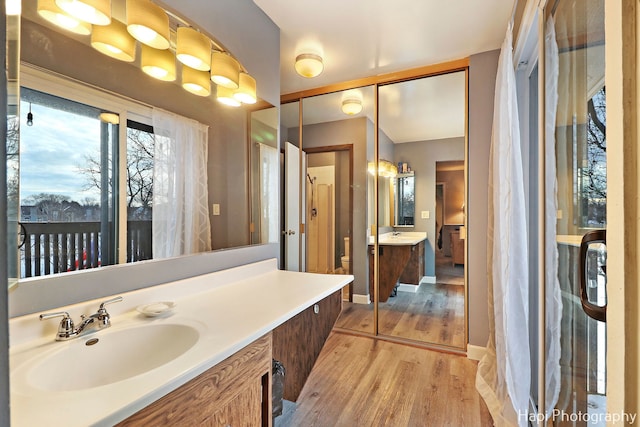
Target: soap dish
<point>156,308</point>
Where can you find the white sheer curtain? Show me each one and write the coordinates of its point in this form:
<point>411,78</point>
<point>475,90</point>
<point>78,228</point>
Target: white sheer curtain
<point>553,298</point>
<point>180,196</point>
<point>504,375</point>
<point>269,171</point>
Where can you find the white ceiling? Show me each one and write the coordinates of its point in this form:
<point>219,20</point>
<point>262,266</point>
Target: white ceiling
<point>363,38</point>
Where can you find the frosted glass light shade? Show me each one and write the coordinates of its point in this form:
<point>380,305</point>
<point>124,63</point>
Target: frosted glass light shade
<point>49,10</point>
<point>246,92</point>
<point>225,70</point>
<point>113,40</point>
<point>96,12</point>
<point>309,65</point>
<point>225,96</point>
<point>148,23</point>
<point>112,118</point>
<point>195,81</point>
<point>159,64</point>
<point>193,49</point>
<point>351,106</point>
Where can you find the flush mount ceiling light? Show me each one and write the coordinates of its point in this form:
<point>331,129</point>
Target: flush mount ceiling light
<point>195,81</point>
<point>148,23</point>
<point>193,49</point>
<point>50,11</point>
<point>225,96</point>
<point>225,70</point>
<point>309,65</point>
<point>351,106</point>
<point>13,7</point>
<point>112,118</point>
<point>160,64</point>
<point>113,40</point>
<point>97,12</point>
<point>246,92</point>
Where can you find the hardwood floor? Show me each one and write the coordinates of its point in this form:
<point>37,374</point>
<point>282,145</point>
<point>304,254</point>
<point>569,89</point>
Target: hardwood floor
<point>360,381</point>
<point>434,314</point>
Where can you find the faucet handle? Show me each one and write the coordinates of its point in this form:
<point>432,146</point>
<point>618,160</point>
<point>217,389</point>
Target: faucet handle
<point>110,301</point>
<point>65,328</point>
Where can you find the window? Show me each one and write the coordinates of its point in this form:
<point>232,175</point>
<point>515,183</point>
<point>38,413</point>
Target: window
<point>68,187</point>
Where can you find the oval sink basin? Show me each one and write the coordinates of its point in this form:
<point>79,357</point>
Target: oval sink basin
<point>110,356</point>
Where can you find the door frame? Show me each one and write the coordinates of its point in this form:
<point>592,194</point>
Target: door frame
<point>349,149</point>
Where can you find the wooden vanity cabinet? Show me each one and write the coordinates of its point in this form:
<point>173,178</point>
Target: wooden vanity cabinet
<point>235,392</point>
<point>298,341</point>
<point>414,270</point>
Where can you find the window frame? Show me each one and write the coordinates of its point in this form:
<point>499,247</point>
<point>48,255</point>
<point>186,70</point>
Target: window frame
<point>128,109</point>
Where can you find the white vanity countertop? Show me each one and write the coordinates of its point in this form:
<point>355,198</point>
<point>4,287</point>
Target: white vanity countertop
<point>230,309</point>
<point>405,238</point>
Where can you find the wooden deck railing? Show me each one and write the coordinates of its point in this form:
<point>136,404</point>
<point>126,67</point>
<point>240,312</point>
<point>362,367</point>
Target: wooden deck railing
<point>56,247</point>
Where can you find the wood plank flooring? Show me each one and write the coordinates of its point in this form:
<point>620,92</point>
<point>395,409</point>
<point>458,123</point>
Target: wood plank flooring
<point>360,381</point>
<point>434,314</point>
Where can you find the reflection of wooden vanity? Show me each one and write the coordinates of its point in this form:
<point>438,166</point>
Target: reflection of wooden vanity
<point>401,260</point>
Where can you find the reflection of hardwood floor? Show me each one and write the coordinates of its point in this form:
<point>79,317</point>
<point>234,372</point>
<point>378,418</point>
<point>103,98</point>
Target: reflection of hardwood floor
<point>434,314</point>
<point>356,317</point>
<point>360,381</point>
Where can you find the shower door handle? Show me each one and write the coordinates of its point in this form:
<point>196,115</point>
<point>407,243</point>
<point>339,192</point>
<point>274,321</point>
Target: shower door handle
<point>288,232</point>
<point>597,312</point>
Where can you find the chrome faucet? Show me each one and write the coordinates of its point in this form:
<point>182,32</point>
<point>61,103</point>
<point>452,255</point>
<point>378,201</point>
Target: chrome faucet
<point>67,330</point>
<point>395,233</point>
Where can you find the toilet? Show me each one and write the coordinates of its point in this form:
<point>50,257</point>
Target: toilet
<point>346,263</point>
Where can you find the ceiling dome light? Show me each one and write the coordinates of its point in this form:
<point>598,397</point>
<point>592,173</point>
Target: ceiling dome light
<point>50,11</point>
<point>225,70</point>
<point>351,106</point>
<point>193,49</point>
<point>96,12</point>
<point>111,118</point>
<point>113,40</point>
<point>148,23</point>
<point>159,64</point>
<point>225,96</point>
<point>309,65</point>
<point>246,92</point>
<point>195,81</point>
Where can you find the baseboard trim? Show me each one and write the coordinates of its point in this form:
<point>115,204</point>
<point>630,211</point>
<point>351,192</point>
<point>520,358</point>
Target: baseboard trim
<point>361,299</point>
<point>475,352</point>
<point>403,287</point>
<point>428,279</point>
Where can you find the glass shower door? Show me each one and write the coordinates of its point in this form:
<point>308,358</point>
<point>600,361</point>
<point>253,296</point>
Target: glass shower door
<point>575,50</point>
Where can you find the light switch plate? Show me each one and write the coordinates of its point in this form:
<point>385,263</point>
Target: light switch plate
<point>216,209</point>
<point>425,214</point>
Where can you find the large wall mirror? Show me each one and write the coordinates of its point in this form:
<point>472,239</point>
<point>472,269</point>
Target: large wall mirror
<point>64,166</point>
<point>421,282</point>
<point>398,205</point>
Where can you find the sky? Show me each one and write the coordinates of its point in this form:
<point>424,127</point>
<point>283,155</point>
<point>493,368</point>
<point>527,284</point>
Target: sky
<point>52,149</point>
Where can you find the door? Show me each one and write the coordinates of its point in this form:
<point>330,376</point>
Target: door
<point>292,207</point>
<point>576,149</point>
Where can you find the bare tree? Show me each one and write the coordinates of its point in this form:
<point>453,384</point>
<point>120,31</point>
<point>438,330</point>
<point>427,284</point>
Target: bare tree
<point>140,145</point>
<point>594,171</point>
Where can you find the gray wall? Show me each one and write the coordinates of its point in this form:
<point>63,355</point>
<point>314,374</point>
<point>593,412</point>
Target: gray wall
<point>422,157</point>
<point>350,131</point>
<point>255,40</point>
<point>482,77</point>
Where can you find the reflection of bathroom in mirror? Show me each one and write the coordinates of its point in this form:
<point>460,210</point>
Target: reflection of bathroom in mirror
<point>61,74</point>
<point>338,145</point>
<point>422,287</point>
